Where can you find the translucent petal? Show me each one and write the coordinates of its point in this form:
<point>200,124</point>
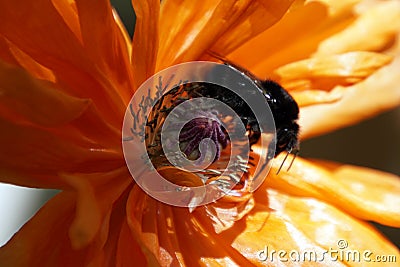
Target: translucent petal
<point>193,29</point>
<point>331,70</point>
<point>361,192</point>
<point>254,19</point>
<point>374,29</point>
<point>305,224</point>
<point>375,94</point>
<point>312,97</point>
<point>277,222</point>
<point>284,42</point>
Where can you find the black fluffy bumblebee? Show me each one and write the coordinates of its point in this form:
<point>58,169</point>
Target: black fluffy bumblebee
<point>284,109</point>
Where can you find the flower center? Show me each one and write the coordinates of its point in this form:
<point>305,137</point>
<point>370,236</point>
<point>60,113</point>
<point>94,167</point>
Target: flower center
<point>187,131</point>
<point>201,128</point>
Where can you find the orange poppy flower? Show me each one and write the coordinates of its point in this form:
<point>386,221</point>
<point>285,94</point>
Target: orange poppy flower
<point>68,71</point>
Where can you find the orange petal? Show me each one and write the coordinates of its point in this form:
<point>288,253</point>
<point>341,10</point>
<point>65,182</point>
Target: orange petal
<point>60,50</point>
<point>312,97</point>
<point>377,93</point>
<point>5,53</point>
<point>145,40</point>
<point>44,239</point>
<point>284,42</point>
<point>124,32</point>
<point>38,102</point>
<point>379,190</point>
<point>339,7</point>
<point>128,252</point>
<point>165,234</point>
<point>33,157</point>
<point>337,31</point>
<point>185,28</point>
<point>118,248</point>
<point>365,33</point>
<point>305,224</point>
<point>68,11</point>
<point>57,41</point>
<point>93,128</point>
<point>106,44</point>
<point>226,25</point>
<point>225,213</point>
<point>279,222</point>
<point>14,56</point>
<point>364,193</point>
<point>96,194</point>
<point>143,219</point>
<point>255,18</point>
<point>328,71</point>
